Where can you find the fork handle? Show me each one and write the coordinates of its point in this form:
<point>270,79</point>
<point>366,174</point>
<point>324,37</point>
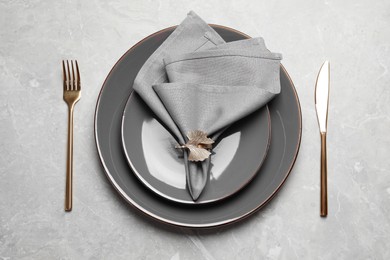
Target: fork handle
<point>69,163</point>
<point>324,170</point>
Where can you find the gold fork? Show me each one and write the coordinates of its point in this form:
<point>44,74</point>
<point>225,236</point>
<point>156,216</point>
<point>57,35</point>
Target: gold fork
<point>72,94</point>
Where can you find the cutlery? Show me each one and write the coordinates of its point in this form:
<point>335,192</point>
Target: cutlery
<point>321,103</point>
<point>72,94</point>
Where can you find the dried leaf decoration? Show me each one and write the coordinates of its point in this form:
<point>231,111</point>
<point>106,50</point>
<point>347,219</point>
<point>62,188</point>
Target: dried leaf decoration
<point>197,154</point>
<point>198,144</point>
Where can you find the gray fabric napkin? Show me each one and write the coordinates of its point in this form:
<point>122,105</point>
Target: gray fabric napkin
<point>196,81</point>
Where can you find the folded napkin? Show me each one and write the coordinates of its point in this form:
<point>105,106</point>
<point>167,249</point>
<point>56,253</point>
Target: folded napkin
<point>196,81</point>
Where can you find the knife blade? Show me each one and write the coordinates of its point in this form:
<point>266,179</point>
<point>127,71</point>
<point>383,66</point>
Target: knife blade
<point>322,96</point>
<point>321,99</point>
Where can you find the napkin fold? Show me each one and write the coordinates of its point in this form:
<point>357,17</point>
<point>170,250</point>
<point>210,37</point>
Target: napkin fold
<point>196,81</point>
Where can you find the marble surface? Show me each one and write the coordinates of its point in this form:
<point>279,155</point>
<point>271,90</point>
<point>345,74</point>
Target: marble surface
<point>36,35</point>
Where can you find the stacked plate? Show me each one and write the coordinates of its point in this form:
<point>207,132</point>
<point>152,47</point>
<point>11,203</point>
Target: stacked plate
<point>250,163</point>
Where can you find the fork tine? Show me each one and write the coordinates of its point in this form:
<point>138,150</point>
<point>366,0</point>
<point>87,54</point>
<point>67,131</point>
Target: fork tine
<point>78,76</point>
<point>64,75</point>
<point>69,85</point>
<point>73,78</point>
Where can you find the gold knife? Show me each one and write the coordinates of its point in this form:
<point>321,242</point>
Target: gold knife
<point>321,98</point>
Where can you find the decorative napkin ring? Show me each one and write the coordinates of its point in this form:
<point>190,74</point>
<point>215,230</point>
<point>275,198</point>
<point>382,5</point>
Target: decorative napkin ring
<point>198,144</point>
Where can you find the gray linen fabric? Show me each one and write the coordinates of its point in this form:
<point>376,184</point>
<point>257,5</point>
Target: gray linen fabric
<point>196,81</point>
<point>191,35</point>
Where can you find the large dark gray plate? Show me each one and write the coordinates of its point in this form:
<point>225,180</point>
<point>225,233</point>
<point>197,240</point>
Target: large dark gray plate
<point>150,151</point>
<point>285,140</point>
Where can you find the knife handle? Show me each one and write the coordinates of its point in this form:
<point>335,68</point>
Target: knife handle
<point>324,186</point>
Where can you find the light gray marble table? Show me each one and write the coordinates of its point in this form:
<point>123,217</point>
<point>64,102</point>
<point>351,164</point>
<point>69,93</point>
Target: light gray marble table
<point>36,35</point>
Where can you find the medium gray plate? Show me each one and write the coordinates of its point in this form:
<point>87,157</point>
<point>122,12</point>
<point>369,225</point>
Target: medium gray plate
<point>150,151</point>
<point>285,140</point>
